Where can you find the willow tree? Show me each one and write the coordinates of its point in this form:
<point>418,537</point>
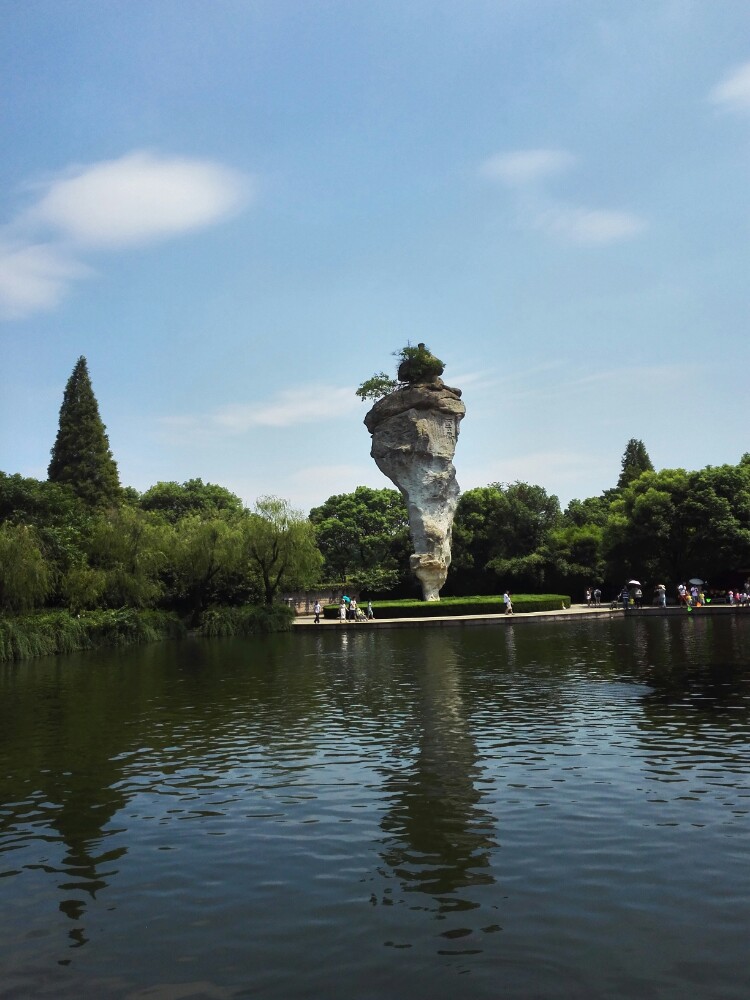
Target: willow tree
<point>280,548</point>
<point>81,457</point>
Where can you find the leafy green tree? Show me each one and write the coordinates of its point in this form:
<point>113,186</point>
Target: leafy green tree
<point>205,559</point>
<point>127,551</point>
<point>716,519</point>
<point>176,500</point>
<point>573,557</point>
<point>635,461</point>
<point>646,532</point>
<point>592,510</point>
<point>61,521</point>
<point>25,576</point>
<point>376,387</point>
<point>279,547</point>
<point>81,457</point>
<point>364,538</point>
<point>501,530</point>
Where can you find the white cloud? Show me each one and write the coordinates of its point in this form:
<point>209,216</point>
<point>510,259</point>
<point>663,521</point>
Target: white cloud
<point>524,166</point>
<point>521,169</point>
<point>34,278</point>
<point>733,92</point>
<point>137,199</point>
<point>307,405</point>
<point>588,226</point>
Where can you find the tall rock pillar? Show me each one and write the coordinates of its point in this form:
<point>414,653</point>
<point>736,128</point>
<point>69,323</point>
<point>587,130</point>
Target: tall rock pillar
<point>414,432</point>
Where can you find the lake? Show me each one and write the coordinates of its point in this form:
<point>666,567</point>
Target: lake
<point>533,809</point>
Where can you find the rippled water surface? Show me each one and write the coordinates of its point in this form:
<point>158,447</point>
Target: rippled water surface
<point>536,809</point>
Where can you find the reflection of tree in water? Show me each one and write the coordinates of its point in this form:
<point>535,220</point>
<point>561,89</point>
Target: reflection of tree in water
<point>68,745</point>
<point>438,838</point>
<point>698,662</point>
<point>695,720</point>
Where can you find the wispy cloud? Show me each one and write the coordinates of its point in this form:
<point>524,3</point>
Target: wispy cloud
<point>588,226</point>
<point>34,277</point>
<point>135,200</point>
<point>562,466</point>
<point>732,93</point>
<point>524,170</point>
<point>525,166</point>
<point>303,405</point>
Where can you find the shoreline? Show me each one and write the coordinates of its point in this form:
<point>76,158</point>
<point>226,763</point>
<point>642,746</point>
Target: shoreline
<point>576,612</point>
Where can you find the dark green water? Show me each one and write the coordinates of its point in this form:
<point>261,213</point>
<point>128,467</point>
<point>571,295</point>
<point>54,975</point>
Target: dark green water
<point>550,810</point>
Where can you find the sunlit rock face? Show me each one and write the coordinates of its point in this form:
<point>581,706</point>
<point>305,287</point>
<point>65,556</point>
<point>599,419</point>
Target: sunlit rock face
<point>414,432</point>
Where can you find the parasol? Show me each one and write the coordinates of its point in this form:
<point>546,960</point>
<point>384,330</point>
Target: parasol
<point>696,582</point>
<point>634,583</point>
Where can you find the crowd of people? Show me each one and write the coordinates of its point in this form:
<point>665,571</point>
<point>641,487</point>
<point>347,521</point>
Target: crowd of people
<point>694,595</point>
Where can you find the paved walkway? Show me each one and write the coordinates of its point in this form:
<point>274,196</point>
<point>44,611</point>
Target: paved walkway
<point>577,611</point>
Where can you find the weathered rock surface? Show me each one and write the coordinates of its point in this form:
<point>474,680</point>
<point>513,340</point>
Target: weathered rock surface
<point>414,432</point>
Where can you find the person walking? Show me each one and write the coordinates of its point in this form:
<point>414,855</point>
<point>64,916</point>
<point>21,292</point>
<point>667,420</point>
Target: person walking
<point>316,612</point>
<point>342,612</point>
<point>597,597</point>
<point>589,595</point>
<point>370,612</point>
<point>508,603</point>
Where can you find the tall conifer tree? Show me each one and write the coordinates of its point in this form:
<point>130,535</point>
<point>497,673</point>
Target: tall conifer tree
<point>634,462</point>
<point>81,457</point>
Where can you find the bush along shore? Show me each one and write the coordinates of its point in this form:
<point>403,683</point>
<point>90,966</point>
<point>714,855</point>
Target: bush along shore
<point>48,633</point>
<point>446,606</point>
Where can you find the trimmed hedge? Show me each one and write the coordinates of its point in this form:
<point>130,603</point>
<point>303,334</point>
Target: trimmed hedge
<point>481,605</point>
<point>250,620</point>
<point>50,632</point>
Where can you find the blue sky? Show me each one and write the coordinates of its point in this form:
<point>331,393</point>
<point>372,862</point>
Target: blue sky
<point>237,211</point>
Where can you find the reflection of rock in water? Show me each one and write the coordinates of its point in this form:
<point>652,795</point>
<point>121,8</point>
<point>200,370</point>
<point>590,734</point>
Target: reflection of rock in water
<point>438,838</point>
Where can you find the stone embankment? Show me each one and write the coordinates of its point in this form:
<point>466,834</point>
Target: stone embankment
<point>576,612</point>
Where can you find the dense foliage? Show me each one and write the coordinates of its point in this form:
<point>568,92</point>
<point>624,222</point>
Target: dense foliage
<point>203,549</point>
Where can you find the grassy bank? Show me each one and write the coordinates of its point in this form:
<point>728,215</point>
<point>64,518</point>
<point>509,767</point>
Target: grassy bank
<point>48,632</point>
<point>249,620</point>
<point>480,605</point>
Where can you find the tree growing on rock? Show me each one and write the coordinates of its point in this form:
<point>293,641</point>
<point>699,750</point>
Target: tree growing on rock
<point>81,457</point>
<point>416,364</point>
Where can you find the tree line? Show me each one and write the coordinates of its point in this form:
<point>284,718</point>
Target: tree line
<point>81,541</point>
<point>663,526</point>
